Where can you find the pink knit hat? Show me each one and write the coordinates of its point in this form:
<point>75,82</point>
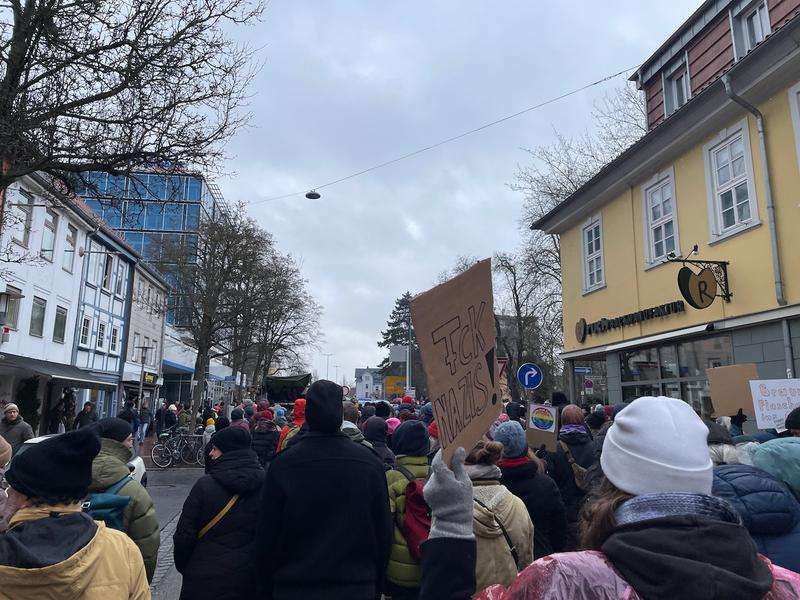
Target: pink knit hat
<point>392,424</point>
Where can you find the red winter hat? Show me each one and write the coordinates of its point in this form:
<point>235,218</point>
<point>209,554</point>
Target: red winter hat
<point>267,414</point>
<point>433,429</point>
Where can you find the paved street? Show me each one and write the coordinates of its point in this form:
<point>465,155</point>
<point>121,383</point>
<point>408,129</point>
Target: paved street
<point>169,489</point>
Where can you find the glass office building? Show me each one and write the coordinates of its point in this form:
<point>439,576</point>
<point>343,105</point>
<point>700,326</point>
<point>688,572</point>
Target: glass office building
<point>146,208</point>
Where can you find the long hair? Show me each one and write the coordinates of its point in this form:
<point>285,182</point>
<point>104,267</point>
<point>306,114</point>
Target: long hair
<point>485,453</point>
<point>597,516</point>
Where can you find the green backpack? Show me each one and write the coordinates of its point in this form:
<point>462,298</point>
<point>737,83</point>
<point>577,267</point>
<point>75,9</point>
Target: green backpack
<point>107,506</point>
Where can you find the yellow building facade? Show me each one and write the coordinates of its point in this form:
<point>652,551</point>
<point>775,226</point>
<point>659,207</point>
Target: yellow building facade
<point>703,185</point>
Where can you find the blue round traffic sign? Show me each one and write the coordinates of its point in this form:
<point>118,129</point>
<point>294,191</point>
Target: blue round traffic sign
<point>530,376</point>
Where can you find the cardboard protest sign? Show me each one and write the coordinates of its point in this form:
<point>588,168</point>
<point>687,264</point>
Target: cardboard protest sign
<point>730,389</point>
<point>773,400</point>
<point>454,326</point>
<point>542,427</point>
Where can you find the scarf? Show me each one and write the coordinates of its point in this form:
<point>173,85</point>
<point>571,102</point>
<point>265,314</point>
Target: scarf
<point>509,463</point>
<point>572,429</point>
<point>669,504</point>
<point>483,471</point>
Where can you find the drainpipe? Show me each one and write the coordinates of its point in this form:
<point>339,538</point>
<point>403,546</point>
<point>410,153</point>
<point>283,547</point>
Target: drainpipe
<point>788,352</point>
<point>773,235</point>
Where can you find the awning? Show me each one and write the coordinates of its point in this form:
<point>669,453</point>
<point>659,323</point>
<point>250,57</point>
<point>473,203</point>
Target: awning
<point>66,374</point>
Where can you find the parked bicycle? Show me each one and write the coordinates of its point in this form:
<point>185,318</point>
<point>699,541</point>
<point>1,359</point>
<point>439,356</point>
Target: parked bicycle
<point>178,446</point>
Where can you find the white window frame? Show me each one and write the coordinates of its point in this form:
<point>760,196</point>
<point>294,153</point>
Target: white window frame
<point>136,344</point>
<point>23,206</point>
<point>153,352</point>
<point>70,244</point>
<point>670,76</point>
<point>658,180</point>
<point>119,288</point>
<point>49,233</point>
<point>741,40</point>
<point>43,303</point>
<point>725,137</point>
<point>113,343</point>
<point>65,310</point>
<point>102,335</point>
<point>13,308</point>
<point>107,276</point>
<point>794,107</point>
<point>86,327</point>
<point>595,221</point>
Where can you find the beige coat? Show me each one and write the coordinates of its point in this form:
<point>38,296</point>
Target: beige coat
<point>109,567</point>
<point>495,563</point>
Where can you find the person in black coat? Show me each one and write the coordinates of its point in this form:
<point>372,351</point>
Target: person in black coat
<point>538,491</point>
<point>221,424</point>
<point>375,432</point>
<point>86,417</point>
<point>325,530</point>
<point>213,561</point>
<point>574,435</point>
<point>265,439</point>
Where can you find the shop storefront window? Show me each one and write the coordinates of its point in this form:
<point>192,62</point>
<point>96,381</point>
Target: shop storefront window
<point>675,371</point>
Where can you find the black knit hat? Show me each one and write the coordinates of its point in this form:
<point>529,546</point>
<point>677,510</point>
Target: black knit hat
<point>324,406</point>
<point>222,423</point>
<point>411,439</point>
<point>113,428</point>
<point>230,439</point>
<point>793,419</point>
<point>383,410</point>
<point>59,467</point>
<point>237,414</point>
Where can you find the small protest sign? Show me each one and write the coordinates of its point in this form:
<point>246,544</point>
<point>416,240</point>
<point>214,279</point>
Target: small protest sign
<point>542,427</point>
<point>454,326</point>
<point>773,399</point>
<point>730,389</point>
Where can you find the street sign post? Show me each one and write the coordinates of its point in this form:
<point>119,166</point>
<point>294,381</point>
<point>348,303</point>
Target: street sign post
<point>588,384</point>
<point>582,370</point>
<point>530,376</point>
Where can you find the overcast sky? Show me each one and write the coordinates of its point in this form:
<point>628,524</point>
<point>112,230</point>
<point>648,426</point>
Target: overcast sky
<point>348,84</point>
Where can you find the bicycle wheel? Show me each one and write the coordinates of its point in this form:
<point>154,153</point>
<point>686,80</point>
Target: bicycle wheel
<point>161,455</point>
<point>189,453</point>
<point>201,456</point>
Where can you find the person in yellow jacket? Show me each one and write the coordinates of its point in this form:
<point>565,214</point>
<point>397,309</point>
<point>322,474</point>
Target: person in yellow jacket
<point>411,445</point>
<point>52,550</point>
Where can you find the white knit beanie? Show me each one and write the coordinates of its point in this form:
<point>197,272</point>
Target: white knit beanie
<point>658,445</point>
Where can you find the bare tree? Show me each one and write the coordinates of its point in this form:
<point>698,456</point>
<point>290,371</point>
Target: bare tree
<point>555,172</point>
<point>107,85</point>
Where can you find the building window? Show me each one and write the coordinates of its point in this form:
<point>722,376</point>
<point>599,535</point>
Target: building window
<point>101,336</point>
<point>730,171</point>
<point>68,259</point>
<point>26,218</point>
<point>49,235</point>
<point>113,344</point>
<point>146,351</point>
<point>136,344</point>
<point>676,88</point>
<point>594,276</point>
<point>750,27</point>
<point>86,331</point>
<point>120,280</point>
<point>60,325</point>
<point>12,311</point>
<point>38,311</point>
<point>154,354</point>
<point>661,226</point>
<point>108,269</point>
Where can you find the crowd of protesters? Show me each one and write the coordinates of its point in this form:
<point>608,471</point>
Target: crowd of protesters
<point>329,499</point>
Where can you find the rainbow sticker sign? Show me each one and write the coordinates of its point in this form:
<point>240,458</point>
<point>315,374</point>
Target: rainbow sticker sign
<point>543,418</point>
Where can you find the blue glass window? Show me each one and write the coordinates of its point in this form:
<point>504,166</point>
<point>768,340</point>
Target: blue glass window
<point>137,186</point>
<point>173,216</point>
<point>135,240</point>
<point>192,217</point>
<point>175,191</point>
<point>134,215</point>
<point>95,183</point>
<point>113,214</point>
<point>195,189</point>
<point>155,215</point>
<point>157,187</point>
<point>116,186</point>
<point>151,246</point>
<point>95,206</point>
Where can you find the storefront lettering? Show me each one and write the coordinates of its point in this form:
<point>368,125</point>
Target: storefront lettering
<point>582,329</point>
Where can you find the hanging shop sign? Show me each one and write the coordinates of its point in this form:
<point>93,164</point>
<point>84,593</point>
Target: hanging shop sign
<point>584,329</point>
<point>702,288</point>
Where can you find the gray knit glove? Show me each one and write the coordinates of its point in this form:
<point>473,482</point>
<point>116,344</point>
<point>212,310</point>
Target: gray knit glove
<point>449,494</point>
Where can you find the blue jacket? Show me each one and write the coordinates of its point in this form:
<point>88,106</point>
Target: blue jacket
<point>768,509</point>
